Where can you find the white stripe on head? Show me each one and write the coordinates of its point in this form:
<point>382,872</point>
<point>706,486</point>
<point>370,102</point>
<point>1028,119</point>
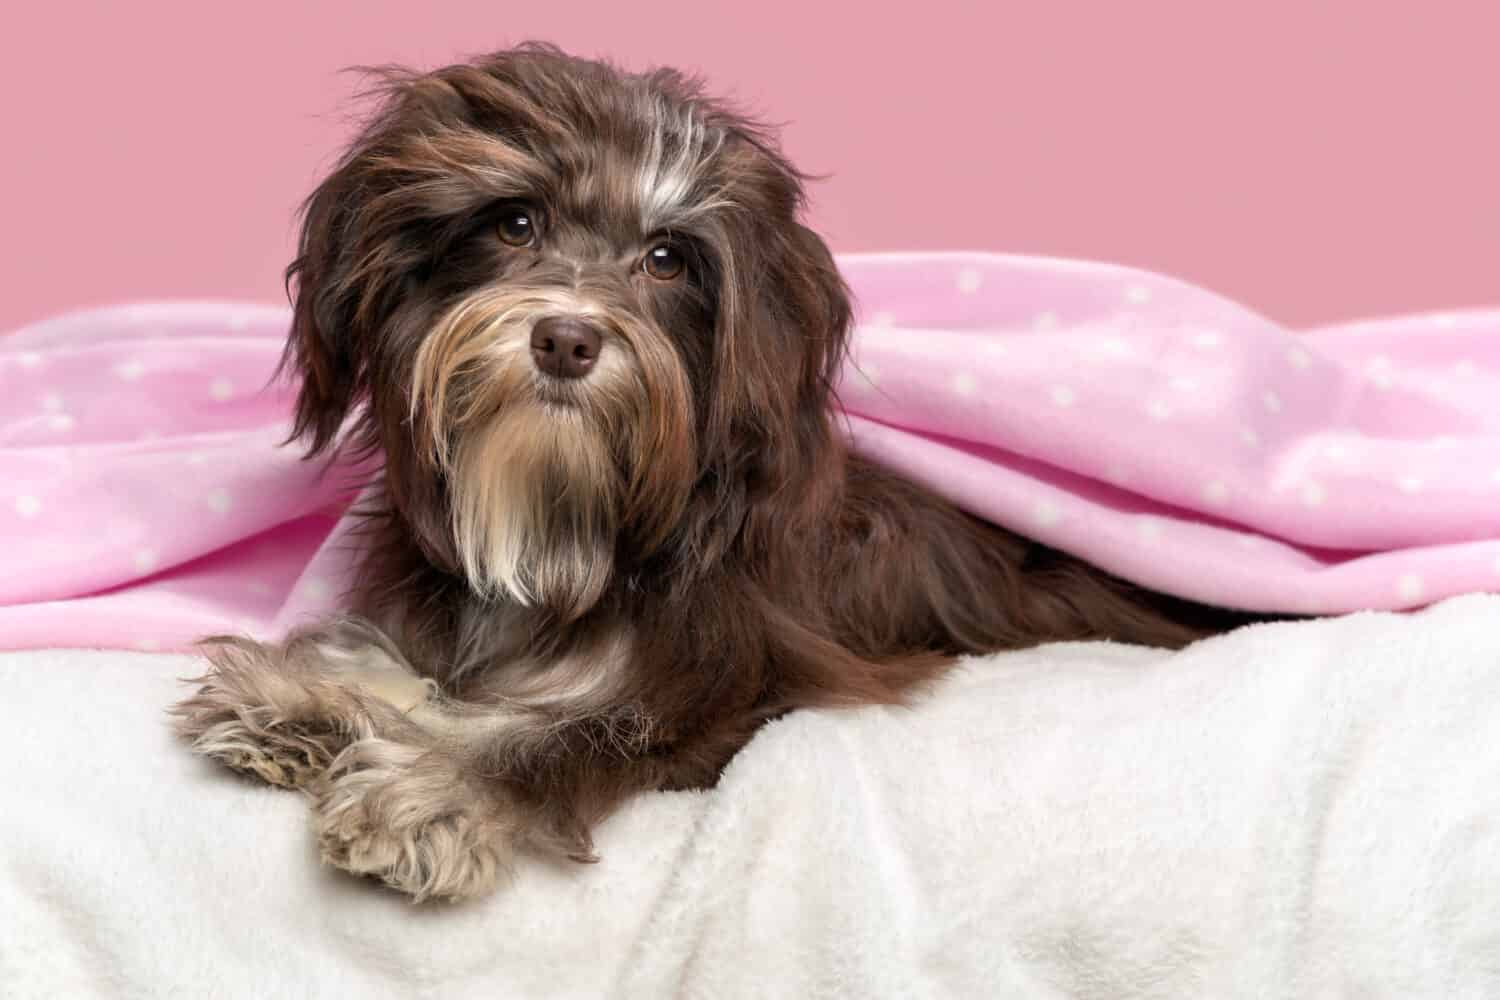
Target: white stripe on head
<point>678,151</point>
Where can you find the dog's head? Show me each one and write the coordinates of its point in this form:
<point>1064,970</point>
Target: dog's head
<point>576,311</point>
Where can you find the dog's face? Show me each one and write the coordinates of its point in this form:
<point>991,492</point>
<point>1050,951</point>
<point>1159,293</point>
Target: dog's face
<point>576,311</point>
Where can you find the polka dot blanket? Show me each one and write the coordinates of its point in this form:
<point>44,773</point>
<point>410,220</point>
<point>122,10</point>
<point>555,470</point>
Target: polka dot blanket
<point>1162,432</point>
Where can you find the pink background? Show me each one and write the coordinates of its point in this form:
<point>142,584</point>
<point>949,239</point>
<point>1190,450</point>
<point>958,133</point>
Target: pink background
<point>1313,160</point>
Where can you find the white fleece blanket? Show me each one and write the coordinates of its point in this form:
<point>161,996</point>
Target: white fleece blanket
<point>1297,810</point>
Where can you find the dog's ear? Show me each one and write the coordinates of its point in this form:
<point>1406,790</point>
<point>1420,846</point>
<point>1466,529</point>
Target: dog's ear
<point>819,299</point>
<point>320,349</point>
<point>437,148</point>
<point>782,328</point>
<point>364,231</point>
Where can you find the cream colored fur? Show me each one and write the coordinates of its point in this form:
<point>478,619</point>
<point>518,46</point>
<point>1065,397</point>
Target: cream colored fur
<point>387,760</point>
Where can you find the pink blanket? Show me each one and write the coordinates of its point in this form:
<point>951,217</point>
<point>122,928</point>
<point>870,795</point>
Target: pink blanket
<point>1164,433</point>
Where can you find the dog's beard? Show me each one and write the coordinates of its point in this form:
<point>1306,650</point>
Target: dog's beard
<point>535,502</point>
<point>542,472</point>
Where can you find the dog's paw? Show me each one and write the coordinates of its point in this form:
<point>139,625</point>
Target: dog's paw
<point>251,715</point>
<point>407,817</point>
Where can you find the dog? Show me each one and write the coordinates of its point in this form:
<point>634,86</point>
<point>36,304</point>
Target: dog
<point>576,313</point>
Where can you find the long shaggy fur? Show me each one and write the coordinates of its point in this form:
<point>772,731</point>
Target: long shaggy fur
<point>574,590</point>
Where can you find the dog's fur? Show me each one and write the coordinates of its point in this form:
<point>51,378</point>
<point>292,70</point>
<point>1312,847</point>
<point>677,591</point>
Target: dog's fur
<point>573,590</point>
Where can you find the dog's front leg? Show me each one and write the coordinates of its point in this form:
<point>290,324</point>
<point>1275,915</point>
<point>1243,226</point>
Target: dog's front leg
<point>443,820</point>
<point>282,712</point>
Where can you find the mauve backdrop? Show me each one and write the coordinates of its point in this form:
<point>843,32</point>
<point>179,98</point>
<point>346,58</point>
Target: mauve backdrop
<point>1314,160</point>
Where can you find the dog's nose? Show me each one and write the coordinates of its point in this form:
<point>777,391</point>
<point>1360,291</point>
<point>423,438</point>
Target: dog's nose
<point>564,346</point>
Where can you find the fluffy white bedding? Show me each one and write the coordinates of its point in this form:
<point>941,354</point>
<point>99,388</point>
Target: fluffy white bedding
<point>1294,810</point>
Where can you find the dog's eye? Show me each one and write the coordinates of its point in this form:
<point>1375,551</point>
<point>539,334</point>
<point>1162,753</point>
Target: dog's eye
<point>663,262</point>
<point>516,227</point>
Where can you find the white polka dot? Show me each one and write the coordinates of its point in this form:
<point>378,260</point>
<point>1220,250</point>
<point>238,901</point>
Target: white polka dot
<point>52,402</point>
<point>28,506</point>
<point>148,645</point>
<point>1044,321</point>
<point>1465,369</point>
<point>1271,401</point>
<point>883,319</point>
<point>1158,410</point>
<point>1298,358</point>
<point>130,370</point>
<point>1250,436</point>
<point>1149,528</point>
<point>1185,383</point>
<point>221,389</point>
<point>964,384</point>
<point>1063,396</point>
<point>60,422</point>
<point>316,589</point>
<point>1410,484</point>
<point>1378,371</point>
<point>1113,347</point>
<point>1208,339</point>
<point>1216,491</point>
<point>1046,513</point>
<point>1138,294</point>
<point>144,560</point>
<point>29,359</point>
<point>995,347</point>
<point>1410,587</point>
<point>969,280</point>
<point>239,321</point>
<point>1248,541</point>
<point>1446,322</point>
<point>219,501</point>
<point>1313,494</point>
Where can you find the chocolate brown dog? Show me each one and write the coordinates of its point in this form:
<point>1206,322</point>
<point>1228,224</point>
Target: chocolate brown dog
<point>576,313</point>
